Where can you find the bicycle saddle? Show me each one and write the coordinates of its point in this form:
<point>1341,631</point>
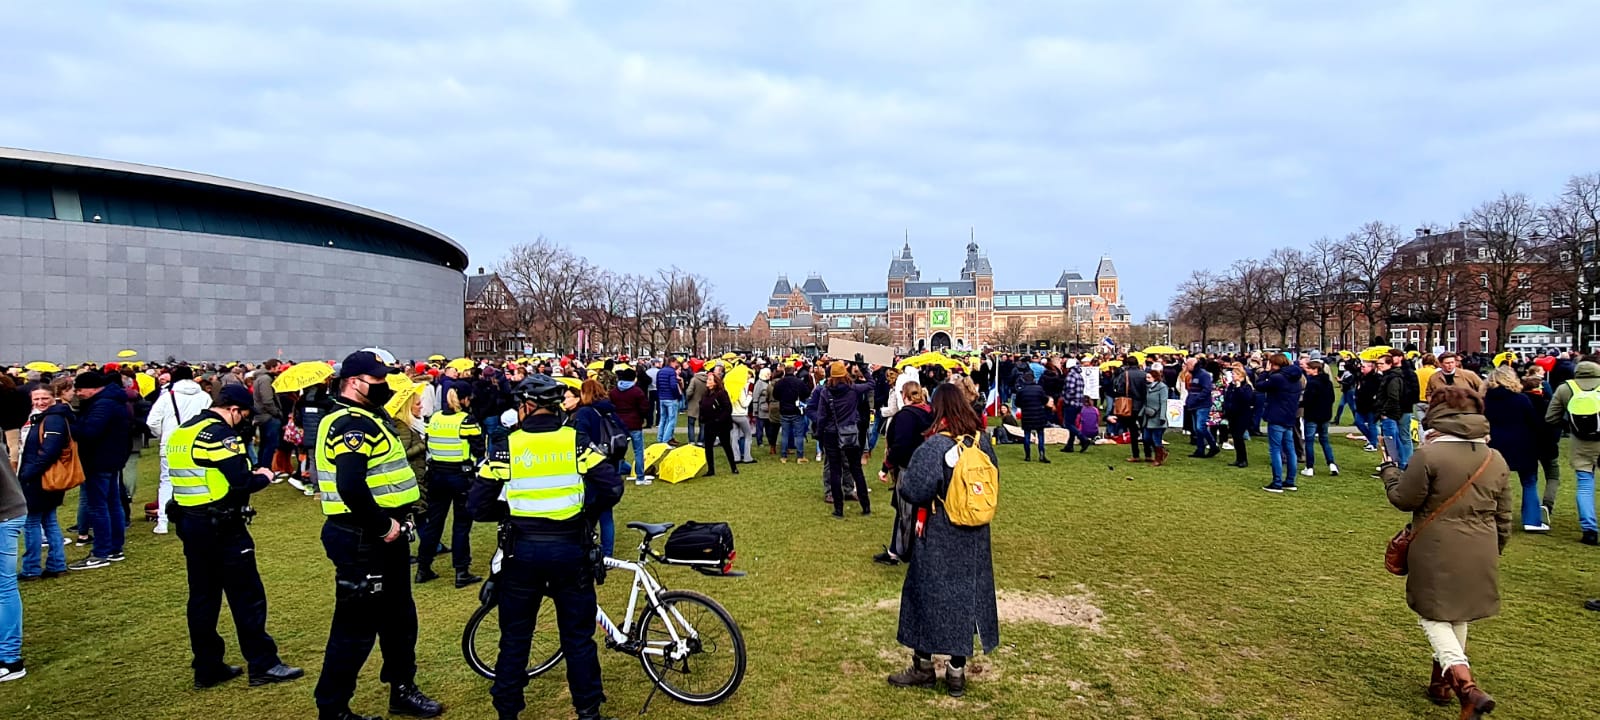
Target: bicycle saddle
<point>650,530</point>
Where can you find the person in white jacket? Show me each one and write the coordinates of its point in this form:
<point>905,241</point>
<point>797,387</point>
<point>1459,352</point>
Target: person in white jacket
<point>179,401</point>
<point>743,433</point>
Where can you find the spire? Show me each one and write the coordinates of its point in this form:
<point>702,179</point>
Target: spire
<point>1106,269</point>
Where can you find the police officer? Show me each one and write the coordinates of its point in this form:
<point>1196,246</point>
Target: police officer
<point>455,444</point>
<point>367,490</point>
<point>546,489</point>
<point>211,487</point>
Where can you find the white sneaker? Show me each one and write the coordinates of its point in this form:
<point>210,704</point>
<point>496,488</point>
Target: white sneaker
<point>278,478</point>
<point>1333,469</point>
<point>1370,448</point>
<point>295,483</point>
<point>641,482</point>
<point>1308,472</point>
<point>1540,528</point>
<point>1227,446</point>
<point>160,528</point>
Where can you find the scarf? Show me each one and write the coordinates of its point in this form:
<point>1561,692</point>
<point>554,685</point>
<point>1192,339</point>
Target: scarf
<point>417,426</point>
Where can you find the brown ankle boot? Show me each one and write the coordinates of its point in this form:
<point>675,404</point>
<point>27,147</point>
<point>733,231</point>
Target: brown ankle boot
<point>920,674</point>
<point>1439,687</point>
<point>1161,456</point>
<point>1475,703</point>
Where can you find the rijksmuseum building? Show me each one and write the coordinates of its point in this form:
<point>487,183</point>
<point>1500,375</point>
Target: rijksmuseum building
<point>959,314</point>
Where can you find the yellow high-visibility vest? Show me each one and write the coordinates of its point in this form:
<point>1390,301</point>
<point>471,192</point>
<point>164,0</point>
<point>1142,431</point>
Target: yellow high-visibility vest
<point>389,475</point>
<point>194,485</point>
<point>544,478</point>
<point>447,437</point>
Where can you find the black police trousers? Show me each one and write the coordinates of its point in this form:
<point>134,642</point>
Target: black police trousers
<point>361,616</point>
<point>447,492</point>
<point>221,560</point>
<point>557,568</point>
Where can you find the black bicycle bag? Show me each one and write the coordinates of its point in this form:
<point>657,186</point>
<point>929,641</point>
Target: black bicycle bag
<point>694,543</point>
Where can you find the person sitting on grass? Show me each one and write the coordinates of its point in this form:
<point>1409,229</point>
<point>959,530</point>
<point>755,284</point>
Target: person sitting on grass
<point>949,588</point>
<point>1088,426</point>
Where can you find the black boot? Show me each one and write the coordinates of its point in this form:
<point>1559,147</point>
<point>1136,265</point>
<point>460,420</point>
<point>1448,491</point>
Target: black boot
<point>425,573</point>
<point>280,673</point>
<point>408,700</point>
<point>216,676</point>
<point>593,714</point>
<point>465,578</point>
<point>1044,458</point>
<point>344,714</point>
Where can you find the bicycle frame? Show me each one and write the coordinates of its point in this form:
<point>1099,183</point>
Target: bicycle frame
<point>651,589</point>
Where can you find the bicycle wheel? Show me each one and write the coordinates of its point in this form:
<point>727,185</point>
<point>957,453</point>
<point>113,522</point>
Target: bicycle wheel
<point>480,642</point>
<point>714,666</point>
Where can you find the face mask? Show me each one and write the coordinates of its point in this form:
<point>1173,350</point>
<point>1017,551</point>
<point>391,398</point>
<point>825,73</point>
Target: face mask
<point>379,394</point>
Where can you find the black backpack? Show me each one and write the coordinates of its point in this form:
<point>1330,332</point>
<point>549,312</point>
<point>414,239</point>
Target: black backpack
<point>613,440</point>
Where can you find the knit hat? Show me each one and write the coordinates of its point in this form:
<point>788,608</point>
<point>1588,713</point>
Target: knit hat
<point>235,396</point>
<point>838,370</point>
<point>89,380</point>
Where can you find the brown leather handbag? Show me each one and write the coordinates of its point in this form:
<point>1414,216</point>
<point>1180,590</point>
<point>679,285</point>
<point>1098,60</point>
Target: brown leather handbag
<point>1122,407</point>
<point>1397,557</point>
<point>66,472</point>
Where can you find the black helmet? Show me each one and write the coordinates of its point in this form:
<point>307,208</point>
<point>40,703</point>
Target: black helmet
<point>541,390</point>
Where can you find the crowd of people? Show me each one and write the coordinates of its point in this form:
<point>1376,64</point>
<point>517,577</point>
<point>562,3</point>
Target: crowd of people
<point>1427,417</point>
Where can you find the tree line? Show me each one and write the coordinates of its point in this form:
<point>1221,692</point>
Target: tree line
<point>1504,256</point>
<point>559,293</point>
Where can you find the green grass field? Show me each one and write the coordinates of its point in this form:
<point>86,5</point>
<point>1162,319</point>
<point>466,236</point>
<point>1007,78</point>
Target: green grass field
<point>1175,592</point>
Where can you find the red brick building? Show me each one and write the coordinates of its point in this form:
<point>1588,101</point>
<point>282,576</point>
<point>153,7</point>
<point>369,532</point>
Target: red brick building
<point>491,317</point>
<point>1441,285</point>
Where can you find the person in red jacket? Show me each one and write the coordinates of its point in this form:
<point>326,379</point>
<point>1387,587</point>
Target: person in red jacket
<point>633,406</point>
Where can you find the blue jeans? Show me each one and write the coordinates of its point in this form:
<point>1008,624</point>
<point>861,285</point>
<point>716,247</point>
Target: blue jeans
<point>1586,519</point>
<point>1313,430</point>
<point>1028,436</point>
<point>10,598</point>
<point>42,527</point>
<point>1203,438</point>
<point>794,436</point>
<point>1532,511</point>
<point>1402,439</point>
<point>271,436</point>
<point>694,427</point>
<point>669,421</point>
<point>1406,446</point>
<point>103,493</point>
<point>1347,399</point>
<point>1367,424</point>
<point>637,438</point>
<point>872,432</point>
<point>1280,448</point>
<point>1153,437</point>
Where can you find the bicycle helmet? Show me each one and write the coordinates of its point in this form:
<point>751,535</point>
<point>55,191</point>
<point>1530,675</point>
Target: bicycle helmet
<point>541,390</point>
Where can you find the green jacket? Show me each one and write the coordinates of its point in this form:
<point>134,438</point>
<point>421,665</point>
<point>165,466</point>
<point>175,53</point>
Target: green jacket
<point>1583,454</point>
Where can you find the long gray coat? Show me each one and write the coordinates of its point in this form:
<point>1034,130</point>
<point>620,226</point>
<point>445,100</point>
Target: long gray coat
<point>949,590</point>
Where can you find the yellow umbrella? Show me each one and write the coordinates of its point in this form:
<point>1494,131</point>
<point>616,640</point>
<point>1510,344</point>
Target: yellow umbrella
<point>1138,356</point>
<point>127,354</point>
<point>1413,354</point>
<point>1162,350</point>
<point>146,383</point>
<point>1346,354</point>
<point>1111,364</point>
<point>1374,352</point>
<point>42,366</point>
<point>571,382</point>
<point>653,454</point>
<point>302,376</point>
<point>682,464</point>
<point>621,367</point>
<point>435,358</point>
<point>460,364</point>
<point>929,358</point>
<point>1503,358</point>
<point>401,402</point>
<point>736,380</point>
<point>730,356</point>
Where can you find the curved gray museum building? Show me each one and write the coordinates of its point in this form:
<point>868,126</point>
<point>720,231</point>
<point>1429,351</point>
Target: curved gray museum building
<point>99,256</point>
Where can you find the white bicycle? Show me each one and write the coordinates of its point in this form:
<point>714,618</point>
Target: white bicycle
<point>688,644</point>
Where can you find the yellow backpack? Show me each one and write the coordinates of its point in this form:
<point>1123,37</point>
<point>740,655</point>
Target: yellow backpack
<point>974,490</point>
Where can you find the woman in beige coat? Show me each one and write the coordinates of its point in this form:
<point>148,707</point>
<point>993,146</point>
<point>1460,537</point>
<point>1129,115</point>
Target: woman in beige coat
<point>1454,560</point>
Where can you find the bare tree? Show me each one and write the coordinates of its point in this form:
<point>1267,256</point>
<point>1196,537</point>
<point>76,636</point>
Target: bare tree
<point>1324,278</point>
<point>1572,223</point>
<point>1010,333</point>
<point>1506,231</point>
<point>1366,254</point>
<point>552,284</point>
<point>1197,303</point>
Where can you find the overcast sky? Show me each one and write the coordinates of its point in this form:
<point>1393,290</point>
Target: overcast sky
<point>741,140</point>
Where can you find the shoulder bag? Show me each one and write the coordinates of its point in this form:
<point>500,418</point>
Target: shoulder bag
<point>66,472</point>
<point>1397,557</point>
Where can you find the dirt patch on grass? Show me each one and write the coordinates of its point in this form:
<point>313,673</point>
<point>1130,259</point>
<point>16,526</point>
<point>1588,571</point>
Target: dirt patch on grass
<point>887,604</point>
<point>1060,610</point>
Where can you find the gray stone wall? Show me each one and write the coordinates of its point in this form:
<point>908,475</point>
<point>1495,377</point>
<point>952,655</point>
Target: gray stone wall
<point>77,291</point>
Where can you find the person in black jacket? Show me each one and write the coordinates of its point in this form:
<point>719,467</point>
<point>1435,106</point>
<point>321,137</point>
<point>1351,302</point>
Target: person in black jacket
<point>837,432</point>
<point>791,392</point>
<point>104,425</point>
<point>1238,409</point>
<point>1131,383</point>
<point>1036,407</point>
<point>1368,386</point>
<point>44,438</point>
<point>1547,439</point>
<point>907,429</point>
<point>1317,409</point>
<point>716,418</point>
<point>1053,382</point>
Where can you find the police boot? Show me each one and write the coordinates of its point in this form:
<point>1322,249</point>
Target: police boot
<point>465,578</point>
<point>425,573</point>
<point>408,700</point>
<point>593,714</point>
<point>216,676</point>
